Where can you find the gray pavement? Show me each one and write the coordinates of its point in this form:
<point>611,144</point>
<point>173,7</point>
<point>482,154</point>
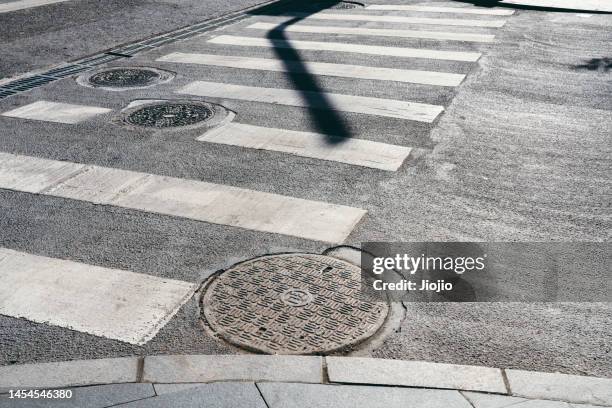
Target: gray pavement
<point>521,153</point>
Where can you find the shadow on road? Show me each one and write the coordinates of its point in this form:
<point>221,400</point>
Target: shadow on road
<point>322,111</point>
<point>497,3</point>
<point>596,64</point>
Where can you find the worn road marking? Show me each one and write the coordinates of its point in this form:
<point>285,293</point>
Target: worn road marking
<point>56,112</point>
<point>319,68</point>
<point>319,100</point>
<point>111,303</point>
<point>398,19</point>
<point>345,47</point>
<point>382,32</point>
<point>214,203</point>
<point>357,152</point>
<point>25,4</point>
<point>432,9</point>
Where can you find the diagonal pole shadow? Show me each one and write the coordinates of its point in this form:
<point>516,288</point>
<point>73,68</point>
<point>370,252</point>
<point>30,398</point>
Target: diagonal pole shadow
<point>555,9</point>
<point>323,114</point>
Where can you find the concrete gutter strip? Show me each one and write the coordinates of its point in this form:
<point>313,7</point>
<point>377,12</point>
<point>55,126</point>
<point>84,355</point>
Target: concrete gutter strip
<point>177,369</point>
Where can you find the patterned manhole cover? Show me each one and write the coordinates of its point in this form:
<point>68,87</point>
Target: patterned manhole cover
<point>292,304</point>
<point>170,115</point>
<point>123,78</point>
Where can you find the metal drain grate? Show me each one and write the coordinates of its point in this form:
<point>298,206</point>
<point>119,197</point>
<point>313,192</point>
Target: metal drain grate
<point>292,304</point>
<point>25,84</point>
<point>166,115</point>
<point>5,93</point>
<point>62,72</point>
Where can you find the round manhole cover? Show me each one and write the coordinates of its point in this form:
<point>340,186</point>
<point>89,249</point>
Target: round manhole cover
<point>124,77</point>
<point>292,304</point>
<point>166,115</point>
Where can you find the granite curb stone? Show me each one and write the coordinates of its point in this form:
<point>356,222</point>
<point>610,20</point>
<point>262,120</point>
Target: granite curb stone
<point>209,368</point>
<point>69,373</point>
<point>372,371</point>
<point>564,387</point>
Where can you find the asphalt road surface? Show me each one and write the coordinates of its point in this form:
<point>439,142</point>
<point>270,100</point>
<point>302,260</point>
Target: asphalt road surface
<point>34,36</point>
<point>516,150</point>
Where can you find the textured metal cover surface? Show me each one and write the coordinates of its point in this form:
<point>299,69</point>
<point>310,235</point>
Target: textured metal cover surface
<point>124,77</point>
<point>165,115</point>
<point>292,304</point>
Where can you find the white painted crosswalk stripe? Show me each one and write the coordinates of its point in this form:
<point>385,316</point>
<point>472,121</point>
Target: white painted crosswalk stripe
<point>111,303</point>
<point>346,47</point>
<point>25,4</point>
<point>357,152</point>
<point>348,103</point>
<point>398,19</point>
<point>437,9</point>
<point>56,112</point>
<point>318,68</point>
<point>381,32</point>
<point>214,203</point>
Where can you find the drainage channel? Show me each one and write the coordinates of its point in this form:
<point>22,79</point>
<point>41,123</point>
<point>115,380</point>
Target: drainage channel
<point>292,304</point>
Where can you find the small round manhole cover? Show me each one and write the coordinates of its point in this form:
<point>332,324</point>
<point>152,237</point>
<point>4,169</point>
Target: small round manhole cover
<point>124,77</point>
<point>170,115</point>
<point>292,304</point>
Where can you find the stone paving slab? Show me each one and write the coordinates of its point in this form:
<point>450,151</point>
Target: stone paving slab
<point>97,396</point>
<point>415,374</point>
<point>218,395</point>
<point>69,373</point>
<point>208,368</point>
<point>161,389</point>
<point>564,387</point>
<point>350,396</point>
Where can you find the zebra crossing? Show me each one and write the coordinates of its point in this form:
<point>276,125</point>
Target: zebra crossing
<point>404,52</point>
<point>136,305</point>
<point>319,68</point>
<point>106,302</point>
<point>381,32</point>
<point>398,19</point>
<point>48,111</point>
<point>348,103</point>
